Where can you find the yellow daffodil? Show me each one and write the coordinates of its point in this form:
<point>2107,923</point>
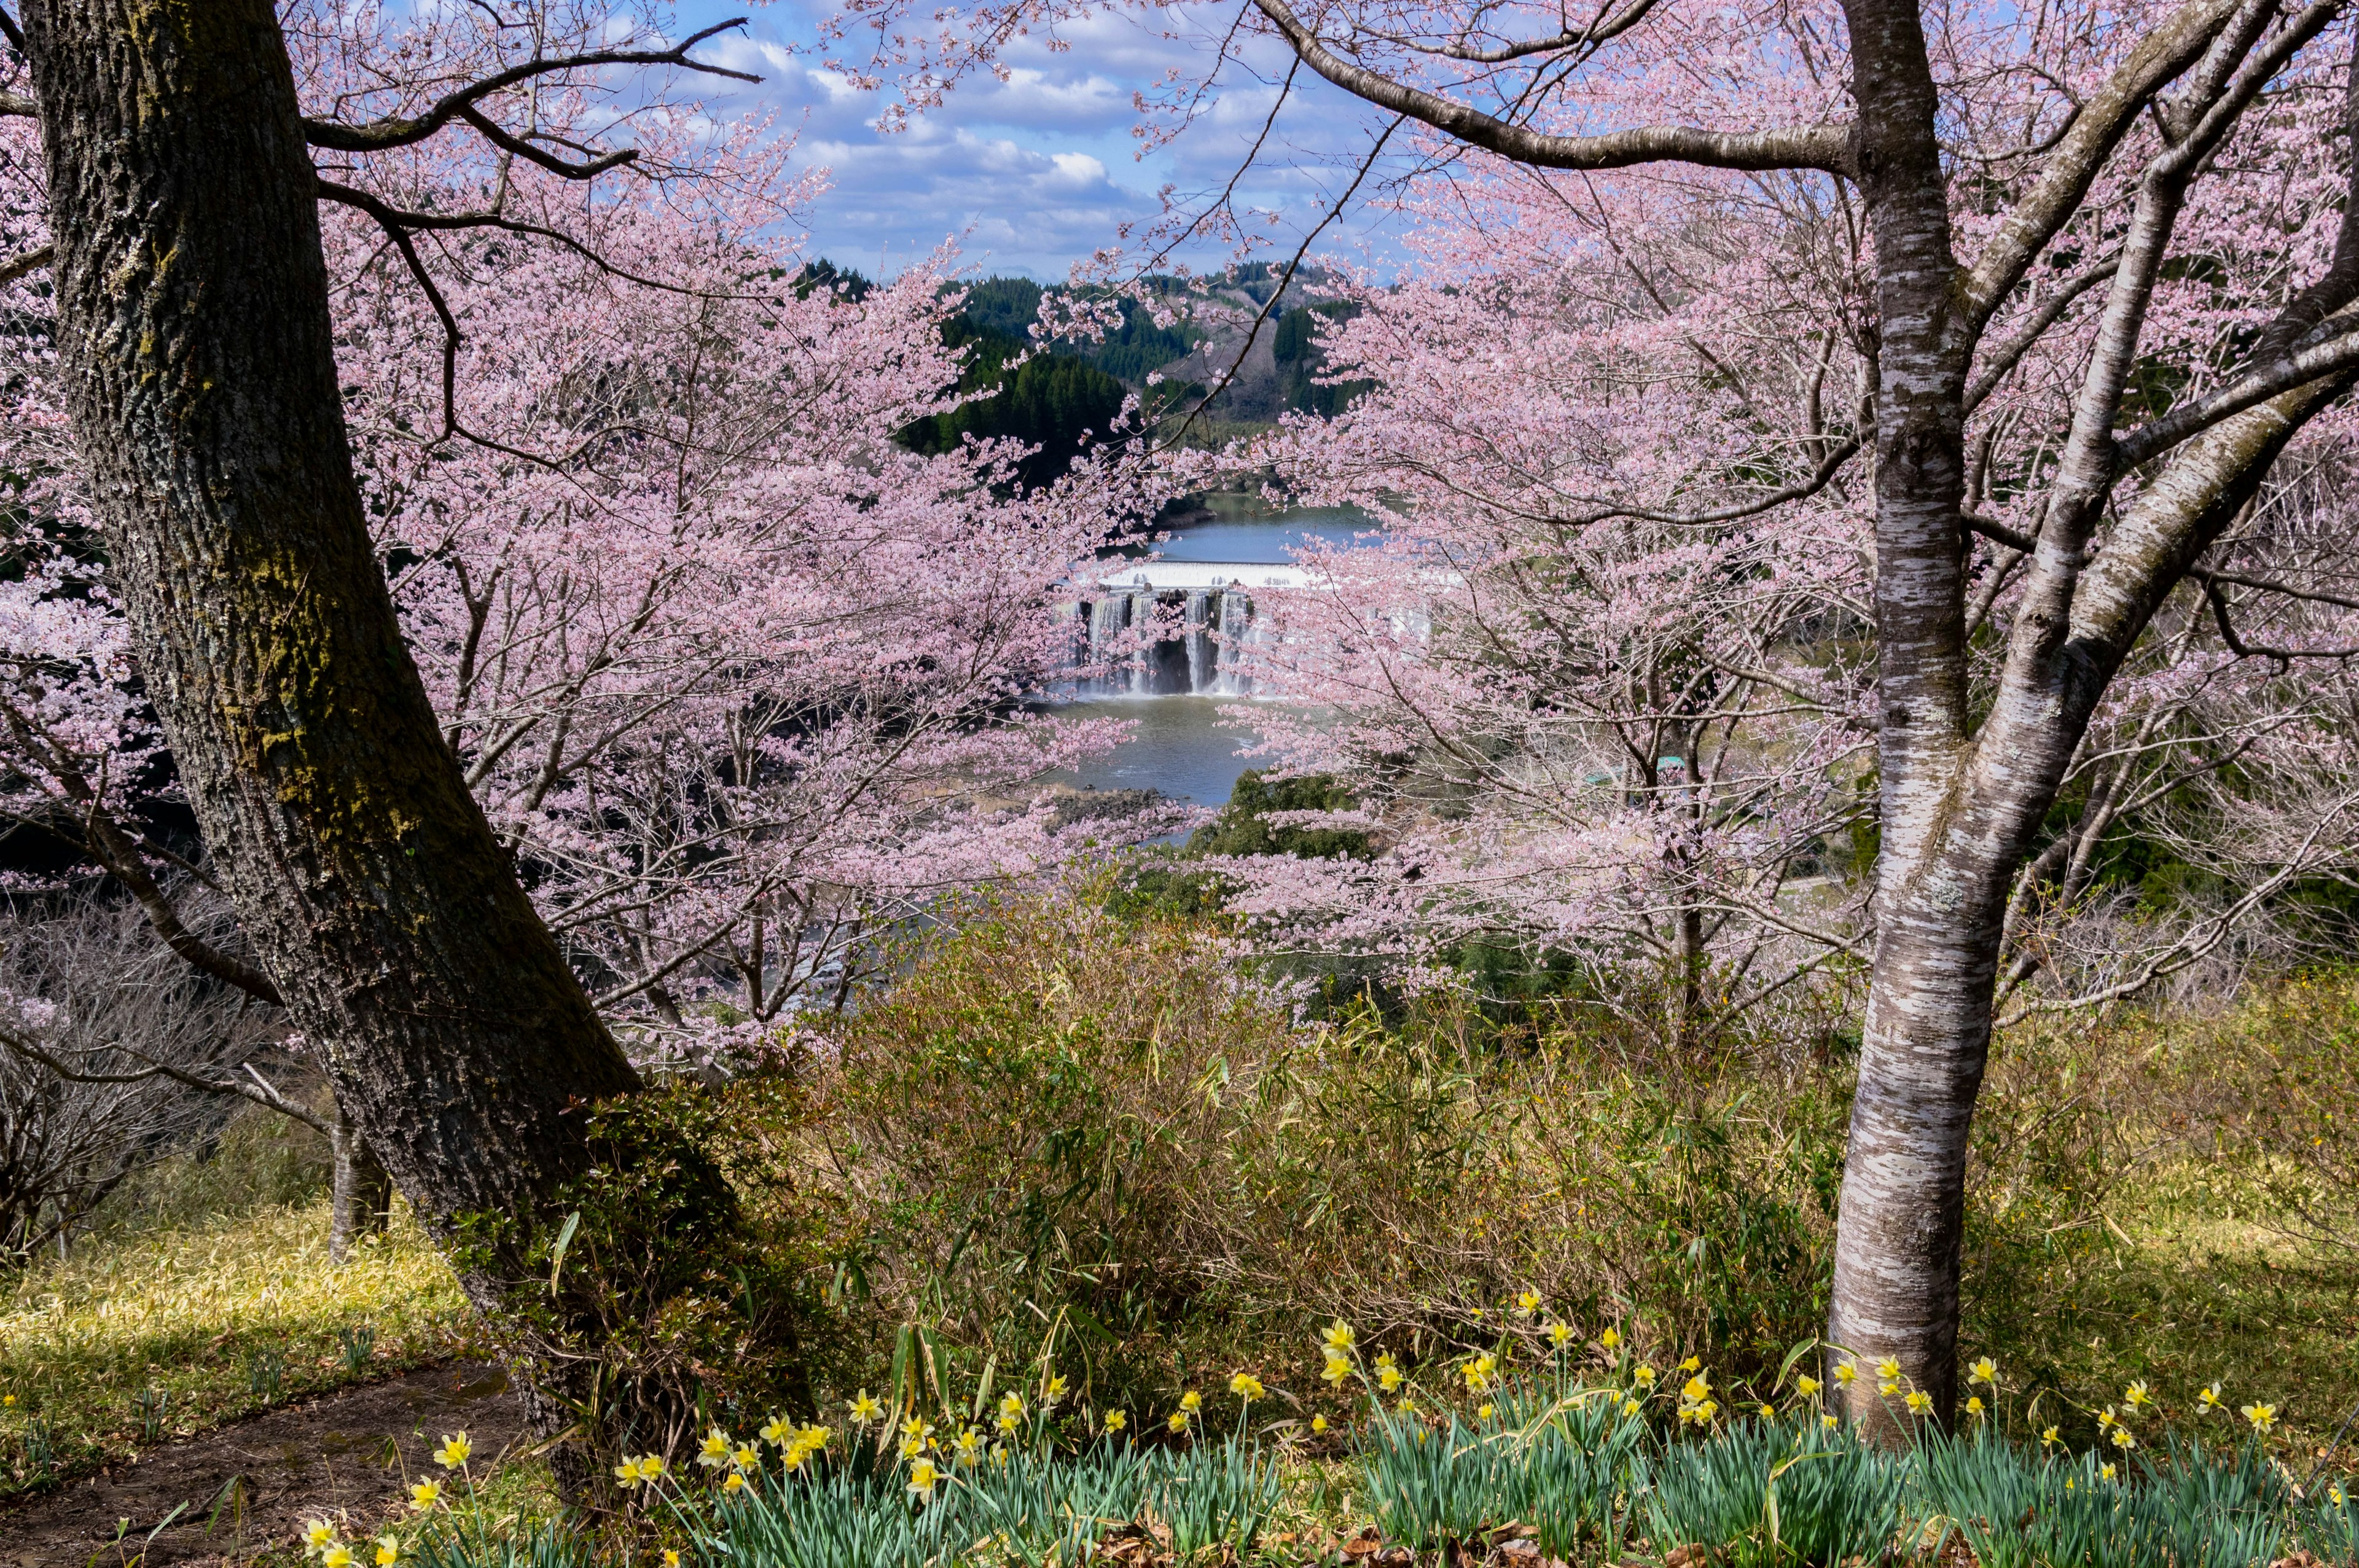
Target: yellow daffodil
<point>1054,1392</point>
<point>1528,1303</point>
<point>317,1535</point>
<point>2136,1397</point>
<point>1191,1401</point>
<point>2122,1440</point>
<point>922,1477</point>
<point>1115,1421</point>
<point>1975,1406</point>
<point>715,1449</point>
<point>1390,1377</point>
<point>1610,1338</point>
<point>2106,1471</point>
<point>777,1432</point>
<point>1177,1421</point>
<point>1829,1421</point>
<point>1483,1413</point>
<point>1888,1387</point>
<point>1630,1407</point>
<point>651,1467</point>
<point>1318,1423</point>
<point>1919,1402</point>
<point>2263,1416</point>
<point>1337,1369</point>
<point>336,1555</point>
<point>734,1483</point>
<point>1807,1385</point>
<point>746,1458</point>
<point>426,1494</point>
<point>2048,1438</point>
<point>389,1551</point>
<point>865,1410</point>
<point>1339,1338</point>
<point>1559,1333</point>
<point>1697,1389</point>
<point>453,1451</point>
<point>1845,1373</point>
<point>671,1558</point>
<point>1693,1364</point>
<point>1983,1370</point>
<point>2209,1399</point>
<point>970,1441</point>
<point>1246,1387</point>
<point>1888,1369</point>
<point>1769,1413</point>
<point>1644,1375</point>
<point>2106,1419</point>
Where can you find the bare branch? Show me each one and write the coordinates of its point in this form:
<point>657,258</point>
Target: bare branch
<point>1827,147</point>
<point>396,132</point>
<point>492,133</point>
<point>31,261</point>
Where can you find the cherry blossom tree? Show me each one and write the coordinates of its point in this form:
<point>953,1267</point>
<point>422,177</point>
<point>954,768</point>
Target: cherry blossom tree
<point>506,547</point>
<point>2097,266</point>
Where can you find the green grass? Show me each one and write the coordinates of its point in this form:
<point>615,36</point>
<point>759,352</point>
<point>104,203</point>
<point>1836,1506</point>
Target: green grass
<point>221,1320</point>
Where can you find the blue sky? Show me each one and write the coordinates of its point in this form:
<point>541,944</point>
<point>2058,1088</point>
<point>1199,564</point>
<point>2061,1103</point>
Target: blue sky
<point>1034,173</point>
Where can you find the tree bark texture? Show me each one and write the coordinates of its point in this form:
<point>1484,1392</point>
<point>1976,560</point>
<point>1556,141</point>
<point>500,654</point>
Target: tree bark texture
<point>360,1193</point>
<point>193,325</point>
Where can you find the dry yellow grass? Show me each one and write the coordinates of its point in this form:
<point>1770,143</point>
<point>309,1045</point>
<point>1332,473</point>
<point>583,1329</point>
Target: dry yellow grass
<point>204,1316</point>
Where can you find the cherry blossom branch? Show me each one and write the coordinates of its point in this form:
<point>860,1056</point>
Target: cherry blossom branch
<point>2238,647</point>
<point>2160,57</point>
<point>397,132</point>
<point>2329,358</point>
<point>1999,362</point>
<point>1825,147</point>
<point>1294,263</point>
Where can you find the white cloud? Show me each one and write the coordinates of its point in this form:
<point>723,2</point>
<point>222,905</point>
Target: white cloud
<point>1039,170</point>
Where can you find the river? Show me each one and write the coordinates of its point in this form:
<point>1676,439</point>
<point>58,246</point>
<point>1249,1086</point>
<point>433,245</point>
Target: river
<point>1179,745</point>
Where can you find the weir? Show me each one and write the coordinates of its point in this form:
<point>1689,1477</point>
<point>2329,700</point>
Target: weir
<point>1200,615</point>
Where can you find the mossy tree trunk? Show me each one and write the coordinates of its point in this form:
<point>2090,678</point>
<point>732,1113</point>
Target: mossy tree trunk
<point>193,328</point>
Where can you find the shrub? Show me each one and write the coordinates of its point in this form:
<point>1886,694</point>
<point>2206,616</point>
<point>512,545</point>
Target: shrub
<point>1060,1119</point>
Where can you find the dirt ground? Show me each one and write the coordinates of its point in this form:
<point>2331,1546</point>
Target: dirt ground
<point>242,1489</point>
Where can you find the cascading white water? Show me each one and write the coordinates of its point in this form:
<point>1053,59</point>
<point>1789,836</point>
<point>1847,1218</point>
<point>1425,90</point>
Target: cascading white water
<point>1203,658</point>
<point>1109,615</point>
<point>1141,613</point>
<point>1236,631</point>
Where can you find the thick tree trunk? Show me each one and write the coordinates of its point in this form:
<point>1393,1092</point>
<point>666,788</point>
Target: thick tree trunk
<point>1895,1285</point>
<point>193,327</point>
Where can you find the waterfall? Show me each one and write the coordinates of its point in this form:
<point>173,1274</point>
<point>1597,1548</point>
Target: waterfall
<point>1237,624</point>
<point>1142,668</point>
<point>1203,659</point>
<point>1108,615</point>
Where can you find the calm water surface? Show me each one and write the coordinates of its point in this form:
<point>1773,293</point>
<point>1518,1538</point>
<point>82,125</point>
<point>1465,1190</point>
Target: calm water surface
<point>1186,746</point>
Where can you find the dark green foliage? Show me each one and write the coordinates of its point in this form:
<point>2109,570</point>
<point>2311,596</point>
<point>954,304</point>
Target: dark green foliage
<point>1171,885</point>
<point>825,273</point>
<point>1300,360</point>
<point>1008,306</point>
<point>1139,346</point>
<point>1056,403</point>
<point>1241,830</point>
<point>684,1284</point>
